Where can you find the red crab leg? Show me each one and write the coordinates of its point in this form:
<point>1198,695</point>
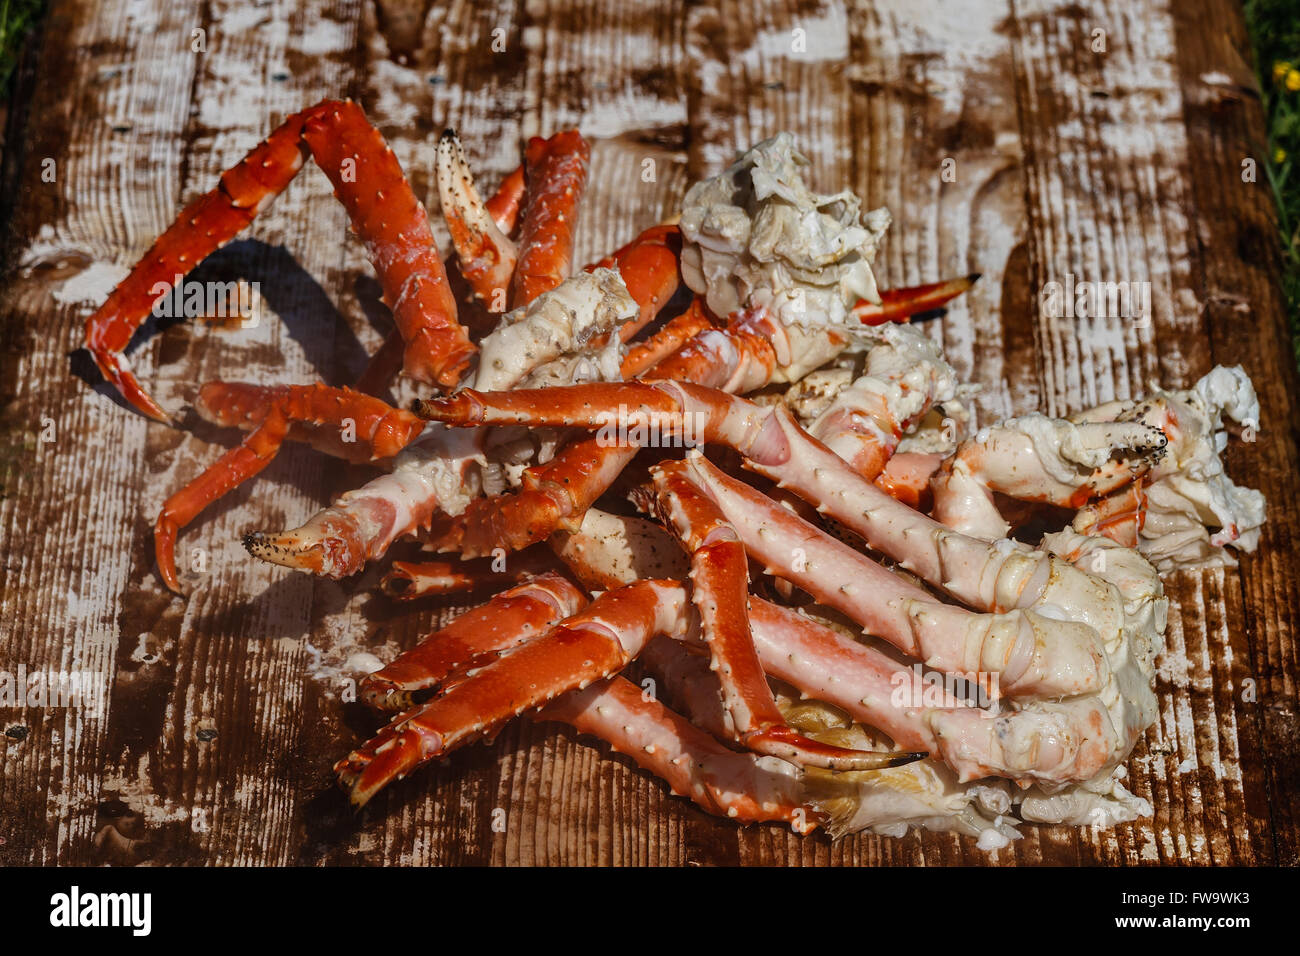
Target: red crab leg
<point>503,205</point>
<point>395,228</point>
<point>720,579</point>
<point>692,763</point>
<point>557,174</point>
<point>553,497</point>
<point>227,472</point>
<point>374,429</point>
<point>896,305</point>
<point>513,617</point>
<point>503,208</point>
<point>384,212</point>
<point>595,643</point>
<point>380,431</point>
<point>649,267</point>
<point>675,333</point>
<point>202,227</point>
<point>408,580</point>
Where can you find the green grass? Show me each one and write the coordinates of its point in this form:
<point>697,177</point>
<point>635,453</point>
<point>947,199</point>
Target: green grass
<point>1274,27</point>
<point>17,18</point>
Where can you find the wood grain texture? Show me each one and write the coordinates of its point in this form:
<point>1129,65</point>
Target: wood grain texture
<point>223,712</point>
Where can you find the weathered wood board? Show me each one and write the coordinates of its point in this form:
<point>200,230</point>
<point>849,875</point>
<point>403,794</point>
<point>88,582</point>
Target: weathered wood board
<point>1103,139</point>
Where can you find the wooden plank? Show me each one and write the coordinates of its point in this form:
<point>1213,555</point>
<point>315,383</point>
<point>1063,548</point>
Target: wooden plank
<point>1245,316</point>
<point>1109,200</point>
<point>1113,165</point>
<point>111,129</point>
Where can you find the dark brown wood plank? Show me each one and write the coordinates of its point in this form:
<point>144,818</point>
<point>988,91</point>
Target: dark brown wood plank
<point>1246,322</point>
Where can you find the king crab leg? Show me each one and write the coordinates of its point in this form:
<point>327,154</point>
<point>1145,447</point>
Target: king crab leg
<point>501,211</point>
<point>381,431</point>
<point>593,644</point>
<point>511,618</point>
<point>409,580</point>
<point>720,579</point>
<point>648,265</point>
<point>384,212</point>
<point>556,174</point>
<point>897,305</point>
<point>610,551</point>
<point>676,332</point>
<point>741,786</point>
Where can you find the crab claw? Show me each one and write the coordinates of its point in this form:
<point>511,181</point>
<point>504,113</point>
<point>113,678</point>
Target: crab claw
<point>897,305</point>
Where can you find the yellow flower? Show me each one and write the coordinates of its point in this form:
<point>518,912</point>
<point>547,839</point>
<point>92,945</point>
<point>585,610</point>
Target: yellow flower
<point>1279,156</point>
<point>1280,69</point>
<point>1293,80</point>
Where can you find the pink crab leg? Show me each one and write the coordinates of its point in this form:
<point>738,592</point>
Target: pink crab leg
<point>720,579</point>
<point>1034,654</point>
<point>557,175</point>
<point>896,305</point>
<point>740,786</point>
<point>384,212</point>
<point>595,643</point>
<point>1037,657</point>
<point>861,681</point>
<point>513,617</point>
<point>380,432</point>
<point>487,257</point>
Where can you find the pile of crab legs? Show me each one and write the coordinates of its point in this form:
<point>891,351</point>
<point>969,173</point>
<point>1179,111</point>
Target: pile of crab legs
<point>675,592</point>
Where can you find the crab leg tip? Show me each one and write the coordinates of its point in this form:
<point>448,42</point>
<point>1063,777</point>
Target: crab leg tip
<point>902,759</point>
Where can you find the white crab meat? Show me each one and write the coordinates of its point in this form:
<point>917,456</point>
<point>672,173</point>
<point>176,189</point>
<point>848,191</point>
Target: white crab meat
<point>756,235</point>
